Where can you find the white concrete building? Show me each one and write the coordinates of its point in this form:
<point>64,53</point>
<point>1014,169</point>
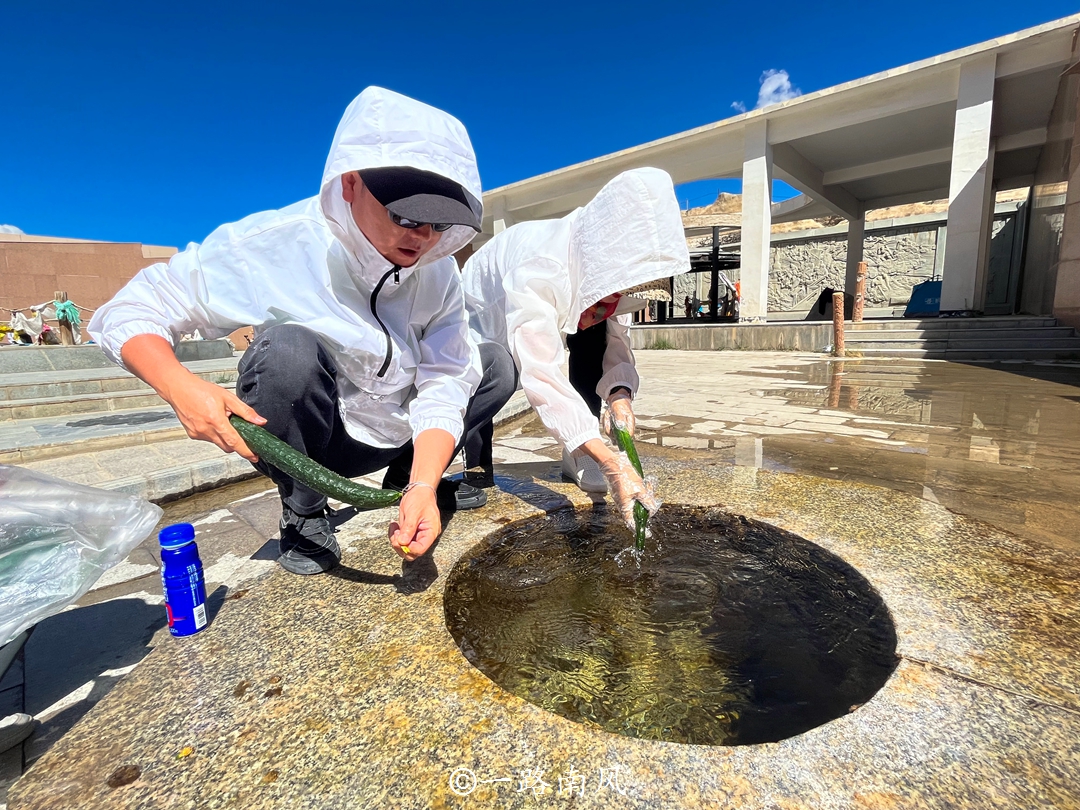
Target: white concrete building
<point>994,116</point>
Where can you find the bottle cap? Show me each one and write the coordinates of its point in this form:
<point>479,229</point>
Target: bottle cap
<point>177,535</point>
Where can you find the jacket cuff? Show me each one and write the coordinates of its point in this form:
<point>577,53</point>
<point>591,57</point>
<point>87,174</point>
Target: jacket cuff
<point>112,343</point>
<point>572,443</point>
<point>623,374</point>
<point>455,427</point>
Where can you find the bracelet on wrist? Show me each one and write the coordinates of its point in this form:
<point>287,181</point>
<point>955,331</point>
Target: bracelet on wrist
<point>415,484</point>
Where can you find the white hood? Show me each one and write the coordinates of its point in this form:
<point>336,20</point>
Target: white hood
<point>379,129</point>
<point>630,233</point>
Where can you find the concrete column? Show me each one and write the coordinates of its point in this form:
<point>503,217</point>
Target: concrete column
<point>1067,285</point>
<point>856,232</point>
<point>969,186</point>
<point>756,222</point>
<point>500,219</point>
<point>986,230</point>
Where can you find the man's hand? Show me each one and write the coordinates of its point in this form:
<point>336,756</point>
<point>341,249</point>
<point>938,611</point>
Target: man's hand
<point>202,407</point>
<point>418,523</point>
<point>619,412</point>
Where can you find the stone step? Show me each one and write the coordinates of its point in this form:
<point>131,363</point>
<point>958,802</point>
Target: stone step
<point>80,382</point>
<point>994,322</point>
<point>81,404</point>
<point>1060,344</point>
<point>948,334</point>
<point>876,343</point>
<point>988,355</point>
<point>30,440</point>
<point>970,343</point>
<point>23,359</point>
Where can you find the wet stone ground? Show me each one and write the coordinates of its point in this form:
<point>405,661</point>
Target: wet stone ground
<point>950,489</point>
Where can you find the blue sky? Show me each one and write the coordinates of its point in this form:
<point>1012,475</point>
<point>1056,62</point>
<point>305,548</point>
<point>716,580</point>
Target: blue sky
<point>156,122</point>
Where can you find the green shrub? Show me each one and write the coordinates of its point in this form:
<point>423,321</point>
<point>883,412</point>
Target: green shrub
<point>660,343</point>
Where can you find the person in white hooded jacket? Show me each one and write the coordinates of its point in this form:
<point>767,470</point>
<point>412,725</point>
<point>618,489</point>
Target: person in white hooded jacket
<point>361,348</point>
<point>539,283</point>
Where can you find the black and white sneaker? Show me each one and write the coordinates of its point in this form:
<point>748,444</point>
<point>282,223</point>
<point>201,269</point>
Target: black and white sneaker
<point>307,543</point>
<point>14,729</point>
<point>455,494</point>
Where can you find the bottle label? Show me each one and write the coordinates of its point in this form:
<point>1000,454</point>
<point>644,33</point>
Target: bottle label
<point>185,599</point>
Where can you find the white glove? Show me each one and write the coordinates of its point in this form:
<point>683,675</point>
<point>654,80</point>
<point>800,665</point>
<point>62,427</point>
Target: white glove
<point>626,487</point>
<point>620,412</point>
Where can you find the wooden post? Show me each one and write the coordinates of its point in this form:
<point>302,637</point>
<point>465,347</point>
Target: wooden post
<point>836,377</point>
<point>714,259</point>
<point>860,294</point>
<point>66,337</point>
<point>838,324</point>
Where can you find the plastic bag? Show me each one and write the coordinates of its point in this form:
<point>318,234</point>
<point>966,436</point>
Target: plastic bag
<point>56,540</point>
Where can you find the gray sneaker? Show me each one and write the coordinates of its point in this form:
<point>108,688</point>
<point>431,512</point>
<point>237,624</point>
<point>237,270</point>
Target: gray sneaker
<point>14,729</point>
<point>307,543</point>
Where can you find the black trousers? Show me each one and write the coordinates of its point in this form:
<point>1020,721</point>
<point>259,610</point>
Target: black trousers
<point>290,379</point>
<point>499,382</point>
<point>586,348</point>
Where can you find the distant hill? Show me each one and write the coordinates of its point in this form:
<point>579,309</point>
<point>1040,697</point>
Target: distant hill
<point>726,211</point>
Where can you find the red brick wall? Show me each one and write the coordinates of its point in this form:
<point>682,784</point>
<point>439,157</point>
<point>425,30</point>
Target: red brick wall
<point>89,272</point>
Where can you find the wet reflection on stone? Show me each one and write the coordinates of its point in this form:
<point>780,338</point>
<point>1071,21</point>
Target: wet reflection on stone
<point>1000,444</point>
<point>732,632</point>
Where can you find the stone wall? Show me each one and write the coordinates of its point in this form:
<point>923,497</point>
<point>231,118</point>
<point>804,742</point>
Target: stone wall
<point>896,260</point>
<point>898,253</point>
<point>801,337</point>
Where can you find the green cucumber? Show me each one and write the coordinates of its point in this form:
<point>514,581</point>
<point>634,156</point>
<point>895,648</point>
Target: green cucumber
<point>641,514</point>
<point>272,450</point>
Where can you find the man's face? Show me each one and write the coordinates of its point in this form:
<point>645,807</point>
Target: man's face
<point>402,246</point>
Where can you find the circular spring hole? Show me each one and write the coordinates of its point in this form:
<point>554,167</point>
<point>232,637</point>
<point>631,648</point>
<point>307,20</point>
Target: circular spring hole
<point>729,632</point>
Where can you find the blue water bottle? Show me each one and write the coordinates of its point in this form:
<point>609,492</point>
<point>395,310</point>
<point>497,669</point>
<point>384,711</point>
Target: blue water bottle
<point>182,579</point>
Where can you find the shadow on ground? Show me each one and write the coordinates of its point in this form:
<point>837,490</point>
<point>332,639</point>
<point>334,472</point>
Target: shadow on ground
<point>75,658</point>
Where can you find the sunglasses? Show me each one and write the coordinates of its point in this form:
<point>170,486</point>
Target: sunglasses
<point>403,222</point>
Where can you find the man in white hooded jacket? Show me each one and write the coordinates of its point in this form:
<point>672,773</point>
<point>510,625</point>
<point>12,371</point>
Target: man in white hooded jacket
<point>538,283</point>
<point>361,349</point>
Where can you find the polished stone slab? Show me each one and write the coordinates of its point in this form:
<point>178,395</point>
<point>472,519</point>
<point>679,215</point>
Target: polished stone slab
<point>347,690</point>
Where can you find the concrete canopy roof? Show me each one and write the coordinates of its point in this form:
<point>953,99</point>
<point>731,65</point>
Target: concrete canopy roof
<point>882,140</point>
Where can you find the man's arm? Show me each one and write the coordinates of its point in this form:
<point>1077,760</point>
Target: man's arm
<point>202,407</point>
<point>418,523</point>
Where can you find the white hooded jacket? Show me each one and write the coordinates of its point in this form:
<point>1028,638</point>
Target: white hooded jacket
<point>528,286</point>
<point>399,336</point>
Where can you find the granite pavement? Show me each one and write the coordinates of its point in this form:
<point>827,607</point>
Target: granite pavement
<point>951,489</point>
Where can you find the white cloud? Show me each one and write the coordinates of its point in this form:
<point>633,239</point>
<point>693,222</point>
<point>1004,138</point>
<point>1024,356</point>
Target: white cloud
<point>775,87</point>
<point>9,229</point>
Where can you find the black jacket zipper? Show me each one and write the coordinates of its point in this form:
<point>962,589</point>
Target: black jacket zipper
<point>375,311</point>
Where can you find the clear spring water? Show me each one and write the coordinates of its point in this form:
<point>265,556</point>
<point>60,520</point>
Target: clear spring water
<point>730,631</point>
